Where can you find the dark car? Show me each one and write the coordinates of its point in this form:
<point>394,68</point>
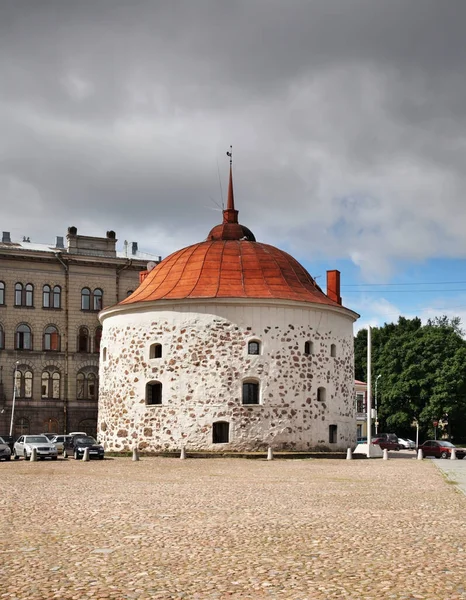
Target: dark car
<point>441,449</point>
<point>79,443</point>
<point>9,439</point>
<point>5,450</point>
<point>387,441</point>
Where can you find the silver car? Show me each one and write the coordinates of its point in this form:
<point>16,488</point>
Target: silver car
<point>5,452</point>
<point>59,440</point>
<point>24,445</point>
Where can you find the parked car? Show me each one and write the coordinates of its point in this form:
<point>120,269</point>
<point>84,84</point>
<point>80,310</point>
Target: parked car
<point>407,444</point>
<point>9,439</point>
<point>441,449</point>
<point>387,441</point>
<point>5,450</point>
<point>24,445</point>
<point>80,443</point>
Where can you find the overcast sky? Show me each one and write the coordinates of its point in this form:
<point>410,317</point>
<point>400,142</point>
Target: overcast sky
<point>347,120</point>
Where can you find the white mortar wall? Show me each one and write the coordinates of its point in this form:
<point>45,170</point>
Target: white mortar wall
<point>203,365</point>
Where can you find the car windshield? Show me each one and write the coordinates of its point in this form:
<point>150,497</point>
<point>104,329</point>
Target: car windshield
<point>88,440</point>
<point>36,439</point>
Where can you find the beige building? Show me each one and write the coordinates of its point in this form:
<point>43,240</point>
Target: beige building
<point>50,297</point>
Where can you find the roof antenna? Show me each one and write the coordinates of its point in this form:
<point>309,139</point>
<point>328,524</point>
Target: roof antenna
<point>230,154</point>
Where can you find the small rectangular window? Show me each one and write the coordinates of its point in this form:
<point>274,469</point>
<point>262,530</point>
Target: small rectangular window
<point>332,434</point>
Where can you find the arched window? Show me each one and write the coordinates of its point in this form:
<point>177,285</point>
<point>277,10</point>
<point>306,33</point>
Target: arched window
<point>29,295</point>
<point>2,293</point>
<point>333,350</point>
<point>21,427</point>
<point>308,348</point>
<point>50,384</point>
<point>18,294</point>
<point>97,339</point>
<point>98,298</point>
<point>254,347</point>
<point>321,394</point>
<point>83,339</point>
<point>57,297</point>
<point>2,338</point>
<point>220,432</point>
<point>155,351</point>
<point>250,392</point>
<point>46,296</point>
<point>50,425</point>
<point>154,392</point>
<point>85,299</point>
<point>23,382</point>
<point>51,339</point>
<point>23,338</point>
<point>86,384</point>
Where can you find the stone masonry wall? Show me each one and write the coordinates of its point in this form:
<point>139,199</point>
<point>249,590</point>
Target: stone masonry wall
<point>203,365</point>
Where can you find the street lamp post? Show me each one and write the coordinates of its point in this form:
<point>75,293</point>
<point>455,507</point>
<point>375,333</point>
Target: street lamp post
<point>375,406</point>
<point>14,398</point>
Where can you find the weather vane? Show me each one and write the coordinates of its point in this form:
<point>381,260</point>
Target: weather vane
<point>230,154</point>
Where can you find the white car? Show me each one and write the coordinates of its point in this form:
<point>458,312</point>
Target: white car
<point>407,444</point>
<point>24,445</point>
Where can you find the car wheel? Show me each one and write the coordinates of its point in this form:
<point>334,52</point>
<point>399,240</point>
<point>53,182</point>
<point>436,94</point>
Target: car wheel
<point>76,455</point>
<point>9,458</point>
<point>101,458</point>
<point>25,455</point>
<point>54,457</point>
<point>444,455</point>
<point>16,457</point>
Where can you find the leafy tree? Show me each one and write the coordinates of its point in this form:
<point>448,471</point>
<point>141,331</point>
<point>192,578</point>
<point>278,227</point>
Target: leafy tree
<point>423,374</point>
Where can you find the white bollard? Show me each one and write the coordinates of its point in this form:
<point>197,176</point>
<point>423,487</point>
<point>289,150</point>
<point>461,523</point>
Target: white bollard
<point>385,454</point>
<point>33,457</point>
<point>453,454</point>
<point>182,453</point>
<point>86,455</point>
<point>269,453</point>
<point>420,455</point>
<point>65,453</point>
<point>135,453</point>
<point>349,454</point>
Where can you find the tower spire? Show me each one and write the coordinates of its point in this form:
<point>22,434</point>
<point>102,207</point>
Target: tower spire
<point>230,215</point>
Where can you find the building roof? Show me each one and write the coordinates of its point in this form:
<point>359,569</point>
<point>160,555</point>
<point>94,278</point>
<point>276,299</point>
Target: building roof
<point>229,264</point>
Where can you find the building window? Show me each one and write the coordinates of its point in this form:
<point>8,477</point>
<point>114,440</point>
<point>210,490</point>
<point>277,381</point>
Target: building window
<point>46,296</point>
<point>155,351</point>
<point>321,394</point>
<point>29,295</point>
<point>18,294</point>
<point>250,392</point>
<point>50,384</point>
<point>50,425</point>
<point>51,339</point>
<point>2,293</point>
<point>220,432</point>
<point>23,338</point>
<point>83,339</point>
<point>21,427</point>
<point>86,385</point>
<point>2,338</point>
<point>154,392</point>
<point>23,382</point>
<point>333,350</point>
<point>332,434</point>
<point>360,404</point>
<point>104,355</point>
<point>308,348</point>
<point>85,299</point>
<point>98,297</point>
<point>254,347</point>
<point>97,339</point>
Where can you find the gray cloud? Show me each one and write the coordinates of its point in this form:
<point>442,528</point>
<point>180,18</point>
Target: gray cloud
<point>348,120</point>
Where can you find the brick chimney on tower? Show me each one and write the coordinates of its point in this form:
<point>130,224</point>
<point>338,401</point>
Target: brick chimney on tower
<point>333,285</point>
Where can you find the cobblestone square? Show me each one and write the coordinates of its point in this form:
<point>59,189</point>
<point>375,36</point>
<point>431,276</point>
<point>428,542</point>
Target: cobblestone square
<point>166,529</point>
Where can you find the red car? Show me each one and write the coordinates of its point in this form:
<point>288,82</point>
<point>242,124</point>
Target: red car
<point>387,441</point>
<point>441,449</point>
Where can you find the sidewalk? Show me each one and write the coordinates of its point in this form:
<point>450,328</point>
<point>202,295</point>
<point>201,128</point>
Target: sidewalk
<point>455,470</point>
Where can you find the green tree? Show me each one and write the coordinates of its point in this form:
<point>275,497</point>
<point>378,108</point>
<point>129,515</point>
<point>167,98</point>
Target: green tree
<point>423,374</point>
